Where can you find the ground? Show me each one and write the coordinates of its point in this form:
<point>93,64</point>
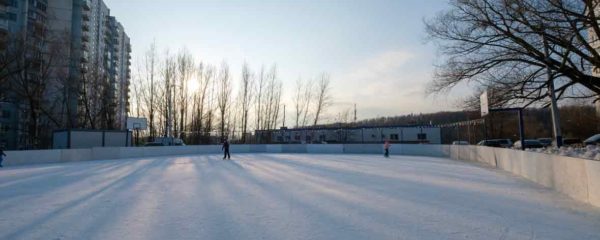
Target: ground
<point>284,196</point>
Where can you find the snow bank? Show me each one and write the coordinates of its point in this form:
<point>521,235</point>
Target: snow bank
<point>589,152</point>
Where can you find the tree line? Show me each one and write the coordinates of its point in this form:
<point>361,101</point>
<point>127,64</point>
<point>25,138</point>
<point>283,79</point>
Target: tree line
<point>203,103</point>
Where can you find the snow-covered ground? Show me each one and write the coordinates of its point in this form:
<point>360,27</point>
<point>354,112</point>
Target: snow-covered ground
<point>283,196</point>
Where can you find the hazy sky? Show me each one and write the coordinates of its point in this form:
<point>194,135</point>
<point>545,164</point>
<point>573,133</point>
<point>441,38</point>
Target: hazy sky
<point>374,50</point>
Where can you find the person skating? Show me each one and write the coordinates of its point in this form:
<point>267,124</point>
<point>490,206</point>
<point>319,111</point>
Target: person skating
<point>2,155</point>
<point>225,149</point>
<point>386,147</point>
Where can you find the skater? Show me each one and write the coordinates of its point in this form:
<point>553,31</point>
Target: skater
<point>225,149</point>
<point>386,147</point>
<point>2,155</point>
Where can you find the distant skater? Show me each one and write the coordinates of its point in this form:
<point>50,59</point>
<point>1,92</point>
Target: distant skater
<point>226,150</point>
<point>386,147</point>
<point>2,155</point>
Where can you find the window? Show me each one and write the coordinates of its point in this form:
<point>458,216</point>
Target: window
<point>5,114</point>
<point>394,136</point>
<point>4,128</point>
<point>41,6</point>
<point>11,16</point>
<point>422,136</point>
<point>11,3</point>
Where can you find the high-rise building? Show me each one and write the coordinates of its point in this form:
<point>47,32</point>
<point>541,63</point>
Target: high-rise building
<point>89,81</point>
<point>100,54</point>
<point>22,33</point>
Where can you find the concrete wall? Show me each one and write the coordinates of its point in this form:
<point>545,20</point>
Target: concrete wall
<point>577,178</point>
<point>90,139</point>
<point>99,153</point>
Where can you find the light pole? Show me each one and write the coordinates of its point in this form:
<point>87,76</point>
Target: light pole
<point>551,94</point>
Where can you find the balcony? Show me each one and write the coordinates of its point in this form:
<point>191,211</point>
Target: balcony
<point>84,68</point>
<point>85,38</point>
<point>3,24</point>
<point>86,5</point>
<point>84,57</point>
<point>85,16</point>
<point>85,27</point>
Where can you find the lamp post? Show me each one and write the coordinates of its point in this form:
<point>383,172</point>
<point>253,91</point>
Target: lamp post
<point>552,95</point>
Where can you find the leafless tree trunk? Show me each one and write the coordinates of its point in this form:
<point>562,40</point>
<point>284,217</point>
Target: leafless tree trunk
<point>246,97</point>
<point>224,96</point>
<point>31,75</point>
<point>323,96</point>
<point>302,100</point>
<point>149,68</point>
<point>169,71</point>
<point>185,65</point>
<point>259,98</point>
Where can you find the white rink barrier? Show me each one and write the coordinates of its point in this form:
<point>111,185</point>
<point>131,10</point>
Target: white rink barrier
<point>15,158</point>
<point>578,178</point>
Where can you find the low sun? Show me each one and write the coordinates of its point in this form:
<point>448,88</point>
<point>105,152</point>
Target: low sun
<point>193,85</point>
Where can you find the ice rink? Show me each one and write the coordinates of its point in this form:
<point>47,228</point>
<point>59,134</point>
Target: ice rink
<point>283,196</point>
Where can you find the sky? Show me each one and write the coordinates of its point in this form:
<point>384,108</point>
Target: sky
<point>374,51</point>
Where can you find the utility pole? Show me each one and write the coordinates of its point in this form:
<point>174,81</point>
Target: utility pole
<point>283,115</point>
<point>551,94</point>
<point>355,113</point>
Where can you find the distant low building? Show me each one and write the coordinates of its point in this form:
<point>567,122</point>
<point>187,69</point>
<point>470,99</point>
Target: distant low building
<point>366,134</point>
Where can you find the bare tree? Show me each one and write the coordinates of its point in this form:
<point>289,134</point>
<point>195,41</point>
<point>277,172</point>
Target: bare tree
<point>302,100</point>
<point>31,74</point>
<point>509,44</point>
<point>149,75</point>
<point>169,77</point>
<point>93,85</point>
<point>269,99</point>
<point>13,48</point>
<point>246,97</point>
<point>185,67</point>
<point>299,101</point>
<point>323,96</point>
<point>224,96</point>
<point>259,98</point>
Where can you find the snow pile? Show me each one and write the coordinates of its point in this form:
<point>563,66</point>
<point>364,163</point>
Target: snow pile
<point>588,152</point>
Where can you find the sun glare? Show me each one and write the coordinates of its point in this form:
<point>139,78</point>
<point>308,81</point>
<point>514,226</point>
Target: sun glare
<point>193,85</point>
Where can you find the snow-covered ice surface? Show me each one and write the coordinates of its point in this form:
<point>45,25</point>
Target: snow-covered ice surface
<point>283,196</point>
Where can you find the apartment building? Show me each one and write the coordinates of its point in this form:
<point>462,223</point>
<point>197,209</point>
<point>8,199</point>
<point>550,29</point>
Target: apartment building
<point>22,28</point>
<point>95,53</point>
